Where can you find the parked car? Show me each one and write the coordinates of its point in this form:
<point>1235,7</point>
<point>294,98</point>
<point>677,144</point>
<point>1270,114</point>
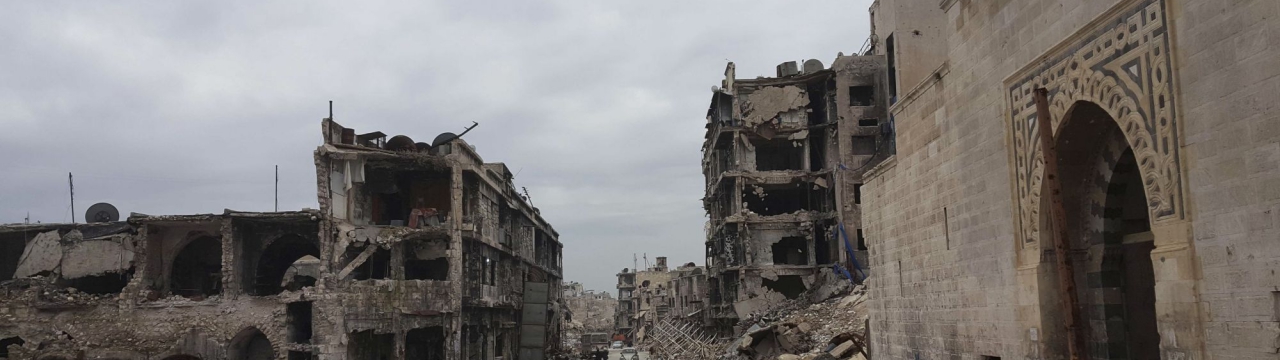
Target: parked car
<point>616,345</point>
<point>629,354</point>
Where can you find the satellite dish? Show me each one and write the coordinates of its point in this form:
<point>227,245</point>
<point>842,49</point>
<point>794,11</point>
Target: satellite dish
<point>443,138</point>
<point>101,212</point>
<point>401,143</point>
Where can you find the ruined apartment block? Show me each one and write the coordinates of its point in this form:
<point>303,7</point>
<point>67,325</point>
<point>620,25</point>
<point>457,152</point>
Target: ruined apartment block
<point>642,300</point>
<point>783,159</point>
<point>651,296</point>
<point>418,251</point>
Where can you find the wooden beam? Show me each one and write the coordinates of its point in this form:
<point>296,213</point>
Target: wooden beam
<point>1058,228</point>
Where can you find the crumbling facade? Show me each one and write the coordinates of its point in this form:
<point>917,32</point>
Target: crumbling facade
<point>644,298</point>
<point>1163,113</point>
<point>590,316</point>
<point>417,252</point>
<point>688,288</point>
<point>783,160</point>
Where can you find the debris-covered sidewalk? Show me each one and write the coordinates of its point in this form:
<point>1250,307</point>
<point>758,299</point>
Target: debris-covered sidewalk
<point>834,328</point>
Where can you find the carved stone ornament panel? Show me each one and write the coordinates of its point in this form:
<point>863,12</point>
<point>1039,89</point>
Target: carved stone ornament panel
<point>1123,64</point>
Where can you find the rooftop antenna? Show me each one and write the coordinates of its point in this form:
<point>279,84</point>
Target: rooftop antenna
<point>330,110</point>
<point>277,194</point>
<point>526,195</point>
<point>72,184</point>
<point>27,220</point>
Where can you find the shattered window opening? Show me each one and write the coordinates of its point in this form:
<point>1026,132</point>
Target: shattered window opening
<point>377,266</point>
<point>434,269</point>
<point>791,286</point>
<point>862,96</point>
<point>779,154</point>
<point>426,260</point>
<point>791,251</point>
<point>768,200</point>
<point>108,283</point>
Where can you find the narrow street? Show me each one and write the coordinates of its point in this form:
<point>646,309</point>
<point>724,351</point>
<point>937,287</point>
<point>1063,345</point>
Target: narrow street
<point>615,354</point>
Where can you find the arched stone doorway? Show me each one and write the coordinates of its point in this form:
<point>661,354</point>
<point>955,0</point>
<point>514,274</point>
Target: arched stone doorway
<point>250,344</point>
<point>197,269</point>
<point>1109,231</point>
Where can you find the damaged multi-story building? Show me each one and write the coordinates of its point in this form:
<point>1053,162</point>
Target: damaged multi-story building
<point>783,159</point>
<point>688,286</point>
<point>643,299</point>
<point>418,251</point>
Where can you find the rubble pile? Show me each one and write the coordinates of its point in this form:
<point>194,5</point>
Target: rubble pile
<point>833,328</point>
<point>42,292</point>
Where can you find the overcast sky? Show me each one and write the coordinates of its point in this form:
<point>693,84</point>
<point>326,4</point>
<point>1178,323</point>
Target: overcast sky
<point>181,107</point>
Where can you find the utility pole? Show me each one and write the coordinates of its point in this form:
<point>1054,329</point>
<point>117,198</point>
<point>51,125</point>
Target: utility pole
<point>277,194</point>
<point>72,184</point>
<point>1058,226</point>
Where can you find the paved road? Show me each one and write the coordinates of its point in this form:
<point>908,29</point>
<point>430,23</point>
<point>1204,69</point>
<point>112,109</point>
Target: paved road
<point>614,354</point>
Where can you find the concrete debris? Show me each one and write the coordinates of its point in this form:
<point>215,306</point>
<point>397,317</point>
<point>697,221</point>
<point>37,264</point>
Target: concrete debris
<point>43,255</point>
<point>830,328</point>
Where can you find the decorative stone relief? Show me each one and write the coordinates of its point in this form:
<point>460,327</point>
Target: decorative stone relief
<point>1123,64</point>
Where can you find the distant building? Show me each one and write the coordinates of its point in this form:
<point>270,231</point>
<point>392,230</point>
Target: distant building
<point>649,296</point>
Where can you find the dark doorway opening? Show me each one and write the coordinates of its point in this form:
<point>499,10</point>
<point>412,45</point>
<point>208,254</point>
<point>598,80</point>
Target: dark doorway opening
<point>250,344</point>
<point>822,244</point>
<point>197,270</point>
<point>368,345</point>
<point>11,248</point>
<point>4,345</point>
<point>1107,214</point>
<point>298,316</point>
<point>425,344</point>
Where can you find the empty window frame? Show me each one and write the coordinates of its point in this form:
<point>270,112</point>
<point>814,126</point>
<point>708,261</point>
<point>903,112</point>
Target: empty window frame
<point>862,96</point>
